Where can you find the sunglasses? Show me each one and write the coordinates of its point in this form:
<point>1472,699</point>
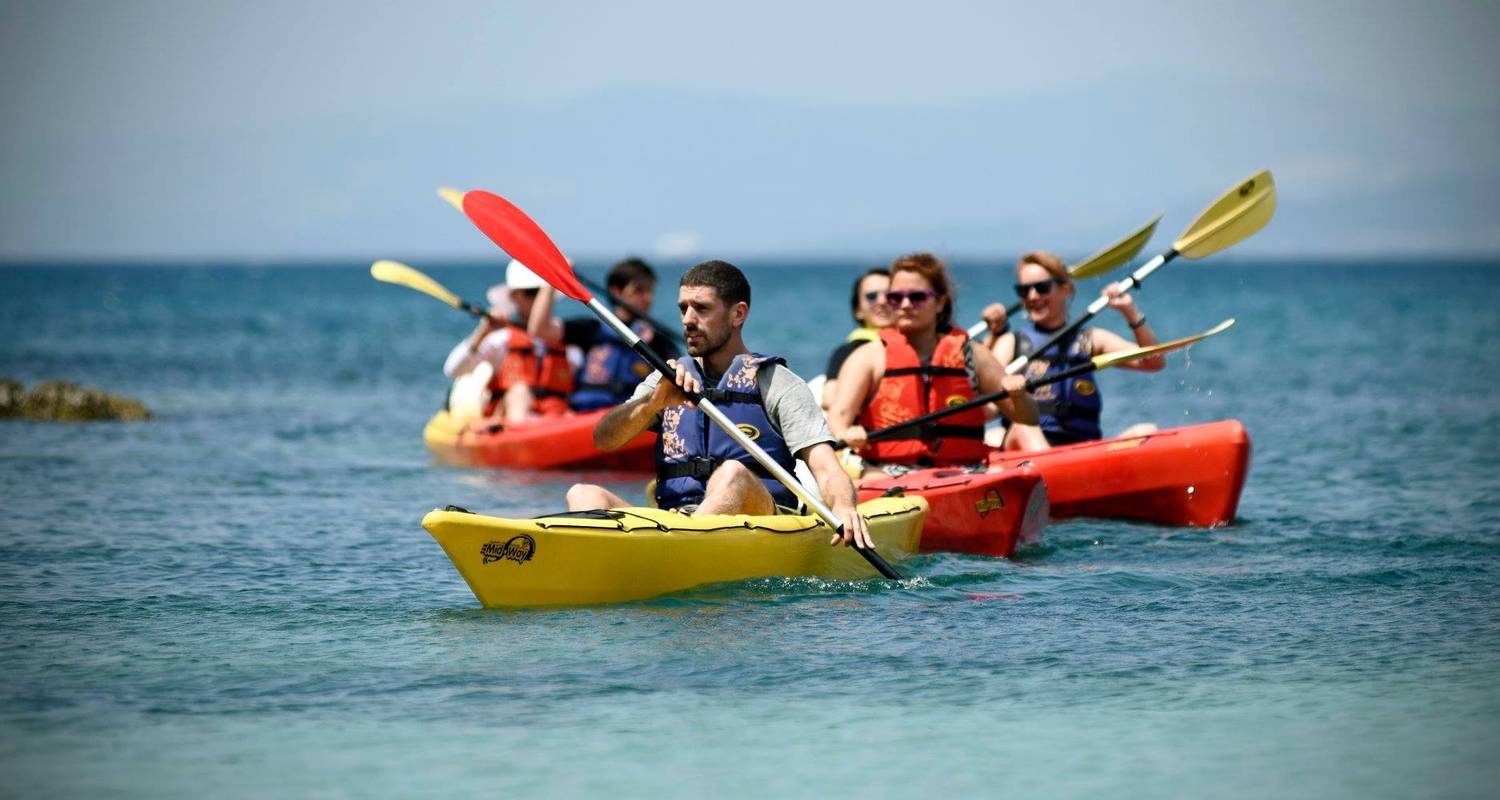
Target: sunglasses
<point>917,297</point>
<point>1042,288</point>
<point>875,298</point>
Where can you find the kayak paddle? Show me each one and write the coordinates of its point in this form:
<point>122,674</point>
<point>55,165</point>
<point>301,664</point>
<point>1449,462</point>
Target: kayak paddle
<point>1232,218</point>
<point>639,314</point>
<point>455,198</point>
<point>402,275</point>
<point>1115,255</point>
<point>1096,363</point>
<point>525,241</point>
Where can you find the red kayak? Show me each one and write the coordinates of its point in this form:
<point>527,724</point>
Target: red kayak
<point>1179,476</point>
<point>986,511</point>
<point>541,443</point>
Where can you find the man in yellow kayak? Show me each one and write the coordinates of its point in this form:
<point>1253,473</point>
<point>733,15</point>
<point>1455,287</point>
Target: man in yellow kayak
<point>699,469</point>
<point>924,364</point>
<point>1069,409</point>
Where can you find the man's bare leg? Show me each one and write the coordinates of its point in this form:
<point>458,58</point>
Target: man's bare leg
<point>734,489</point>
<point>589,497</point>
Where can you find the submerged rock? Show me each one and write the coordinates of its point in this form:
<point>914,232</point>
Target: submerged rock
<point>11,393</point>
<point>60,401</point>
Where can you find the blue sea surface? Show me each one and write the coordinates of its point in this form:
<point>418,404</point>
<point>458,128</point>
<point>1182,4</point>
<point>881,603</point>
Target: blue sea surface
<point>236,598</point>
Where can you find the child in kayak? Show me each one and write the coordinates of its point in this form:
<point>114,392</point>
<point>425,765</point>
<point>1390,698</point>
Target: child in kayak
<point>700,469</point>
<point>923,365</point>
<point>531,370</point>
<point>1069,409</point>
<point>868,307</point>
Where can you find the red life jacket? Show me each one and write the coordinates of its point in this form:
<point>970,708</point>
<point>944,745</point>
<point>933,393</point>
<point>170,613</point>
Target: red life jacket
<point>910,389</point>
<point>549,375</point>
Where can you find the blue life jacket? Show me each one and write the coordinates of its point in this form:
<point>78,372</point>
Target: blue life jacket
<point>611,370</point>
<point>690,446</point>
<point>1070,409</point>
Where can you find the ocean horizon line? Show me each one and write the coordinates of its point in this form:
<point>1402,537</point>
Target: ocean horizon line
<point>815,261</point>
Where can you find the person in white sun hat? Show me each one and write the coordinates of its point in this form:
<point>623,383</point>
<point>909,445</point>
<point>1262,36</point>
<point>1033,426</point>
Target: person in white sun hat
<point>528,375</point>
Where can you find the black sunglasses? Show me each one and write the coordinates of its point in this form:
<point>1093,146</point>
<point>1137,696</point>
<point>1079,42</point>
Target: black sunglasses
<point>875,298</point>
<point>917,298</point>
<point>1042,288</point>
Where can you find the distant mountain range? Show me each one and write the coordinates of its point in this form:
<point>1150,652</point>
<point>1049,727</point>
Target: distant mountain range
<point>617,171</point>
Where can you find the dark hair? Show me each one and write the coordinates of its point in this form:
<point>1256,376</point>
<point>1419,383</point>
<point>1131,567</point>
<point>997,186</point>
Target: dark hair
<point>631,270</point>
<point>854,292</point>
<point>721,276</point>
<point>930,267</point>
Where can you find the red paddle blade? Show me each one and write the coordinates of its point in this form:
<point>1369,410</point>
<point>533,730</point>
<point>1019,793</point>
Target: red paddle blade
<point>524,240</point>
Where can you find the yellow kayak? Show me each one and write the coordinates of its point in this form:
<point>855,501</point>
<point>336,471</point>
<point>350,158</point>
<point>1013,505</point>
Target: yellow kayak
<point>635,553</point>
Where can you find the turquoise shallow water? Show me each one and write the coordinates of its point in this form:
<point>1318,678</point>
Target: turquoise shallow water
<point>238,595</point>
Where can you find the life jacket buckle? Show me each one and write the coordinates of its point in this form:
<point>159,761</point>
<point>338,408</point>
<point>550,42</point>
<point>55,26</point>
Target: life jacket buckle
<point>701,468</point>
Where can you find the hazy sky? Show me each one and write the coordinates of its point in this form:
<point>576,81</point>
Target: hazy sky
<point>274,130</point>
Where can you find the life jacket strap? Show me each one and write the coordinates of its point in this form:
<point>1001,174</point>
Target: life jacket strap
<point>927,369</point>
<point>700,469</point>
<point>717,396</point>
<point>697,468</point>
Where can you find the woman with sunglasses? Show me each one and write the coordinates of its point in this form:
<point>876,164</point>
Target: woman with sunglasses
<point>1069,409</point>
<point>868,307</point>
<point>924,364</point>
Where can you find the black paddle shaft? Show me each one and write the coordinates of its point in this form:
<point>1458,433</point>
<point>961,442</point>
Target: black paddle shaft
<point>1129,283</point>
<point>1031,385</point>
<point>475,311</point>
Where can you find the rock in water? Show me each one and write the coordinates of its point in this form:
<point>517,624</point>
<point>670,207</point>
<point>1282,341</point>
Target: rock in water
<point>11,393</point>
<point>60,401</point>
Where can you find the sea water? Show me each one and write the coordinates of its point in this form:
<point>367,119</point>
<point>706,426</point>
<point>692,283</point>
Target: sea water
<point>236,598</point>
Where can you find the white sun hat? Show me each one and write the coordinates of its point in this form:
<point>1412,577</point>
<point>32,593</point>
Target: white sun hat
<point>518,276</point>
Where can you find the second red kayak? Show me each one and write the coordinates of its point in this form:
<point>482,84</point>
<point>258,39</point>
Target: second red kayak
<point>541,443</point>
<point>985,511</point>
<point>1190,476</point>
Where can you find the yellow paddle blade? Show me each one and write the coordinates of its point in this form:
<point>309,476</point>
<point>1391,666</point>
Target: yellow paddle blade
<point>454,197</point>
<point>1241,212</point>
<point>1125,356</point>
<point>396,272</point>
<point>1116,254</point>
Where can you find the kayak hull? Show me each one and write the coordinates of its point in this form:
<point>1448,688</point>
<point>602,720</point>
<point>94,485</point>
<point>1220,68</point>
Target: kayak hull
<point>1188,476</point>
<point>982,511</point>
<point>639,553</point>
<point>542,443</point>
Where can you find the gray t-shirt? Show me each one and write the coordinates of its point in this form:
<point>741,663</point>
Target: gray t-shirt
<point>789,404</point>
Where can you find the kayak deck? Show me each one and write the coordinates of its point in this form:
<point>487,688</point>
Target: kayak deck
<point>985,511</point>
<point>1189,476</point>
<point>637,553</point>
<point>541,443</point>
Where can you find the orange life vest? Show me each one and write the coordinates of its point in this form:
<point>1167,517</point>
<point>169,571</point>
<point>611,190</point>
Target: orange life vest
<point>549,375</point>
<point>910,389</point>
